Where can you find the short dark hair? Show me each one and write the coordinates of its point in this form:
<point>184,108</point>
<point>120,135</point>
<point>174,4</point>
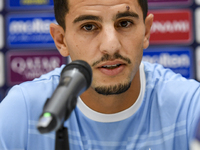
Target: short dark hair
<point>61,8</point>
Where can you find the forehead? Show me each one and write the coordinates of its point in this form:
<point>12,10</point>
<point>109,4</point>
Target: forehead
<point>102,5</point>
<point>96,2</point>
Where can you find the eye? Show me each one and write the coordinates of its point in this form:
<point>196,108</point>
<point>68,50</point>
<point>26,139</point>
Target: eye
<point>125,23</point>
<point>89,27</point>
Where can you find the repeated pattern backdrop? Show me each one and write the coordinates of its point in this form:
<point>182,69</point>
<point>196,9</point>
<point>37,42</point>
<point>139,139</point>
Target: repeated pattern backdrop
<point>28,51</point>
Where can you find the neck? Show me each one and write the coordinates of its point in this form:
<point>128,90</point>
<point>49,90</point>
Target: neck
<point>112,103</point>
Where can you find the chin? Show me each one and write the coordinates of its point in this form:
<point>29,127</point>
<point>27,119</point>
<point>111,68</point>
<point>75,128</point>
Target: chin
<point>113,89</point>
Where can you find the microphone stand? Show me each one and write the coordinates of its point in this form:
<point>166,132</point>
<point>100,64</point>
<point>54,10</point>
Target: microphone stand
<point>62,140</point>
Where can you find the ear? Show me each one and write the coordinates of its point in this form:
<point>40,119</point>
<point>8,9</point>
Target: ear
<point>57,34</point>
<point>148,24</point>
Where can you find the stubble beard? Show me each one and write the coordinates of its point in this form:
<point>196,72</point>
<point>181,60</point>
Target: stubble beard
<point>113,89</point>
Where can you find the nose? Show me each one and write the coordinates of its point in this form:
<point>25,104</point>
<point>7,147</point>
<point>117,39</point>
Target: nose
<point>109,43</point>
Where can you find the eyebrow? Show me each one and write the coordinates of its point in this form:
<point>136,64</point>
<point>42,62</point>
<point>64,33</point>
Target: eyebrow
<point>97,18</point>
<point>127,14</point>
<point>87,17</point>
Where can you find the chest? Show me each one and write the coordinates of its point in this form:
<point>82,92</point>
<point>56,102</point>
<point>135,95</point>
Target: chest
<point>130,134</point>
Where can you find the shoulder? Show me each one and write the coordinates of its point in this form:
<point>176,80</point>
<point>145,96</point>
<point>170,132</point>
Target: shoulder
<point>43,85</point>
<point>32,95</point>
<point>167,88</point>
<point>160,78</point>
<point>21,109</point>
<point>36,92</point>
<point>170,93</point>
<point>158,72</point>
<point>158,75</point>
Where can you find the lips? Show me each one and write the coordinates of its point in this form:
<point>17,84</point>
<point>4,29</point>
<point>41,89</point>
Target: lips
<point>112,68</point>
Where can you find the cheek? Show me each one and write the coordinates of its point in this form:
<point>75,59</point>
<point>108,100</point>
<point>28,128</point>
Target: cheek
<point>133,45</point>
<point>80,51</point>
<point>75,47</point>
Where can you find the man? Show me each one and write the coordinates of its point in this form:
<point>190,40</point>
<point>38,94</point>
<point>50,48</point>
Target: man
<point>130,105</point>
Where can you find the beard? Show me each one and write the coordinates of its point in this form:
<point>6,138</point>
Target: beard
<point>113,90</point>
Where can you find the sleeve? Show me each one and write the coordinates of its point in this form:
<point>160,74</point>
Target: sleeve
<point>13,121</point>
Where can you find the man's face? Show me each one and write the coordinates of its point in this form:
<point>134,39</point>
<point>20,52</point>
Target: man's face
<point>109,35</point>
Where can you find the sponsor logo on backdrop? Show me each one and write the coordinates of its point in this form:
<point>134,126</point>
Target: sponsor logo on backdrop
<point>27,65</point>
<point>1,5</point>
<point>198,63</point>
<point>178,59</point>
<point>169,2</point>
<point>197,19</point>
<point>1,32</point>
<point>29,30</point>
<point>172,27</point>
<point>1,69</point>
<point>29,4</point>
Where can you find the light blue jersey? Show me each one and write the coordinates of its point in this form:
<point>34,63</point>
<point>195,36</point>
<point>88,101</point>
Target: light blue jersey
<point>164,116</point>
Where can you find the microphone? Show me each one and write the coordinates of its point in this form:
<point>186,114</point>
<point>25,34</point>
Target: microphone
<point>76,77</point>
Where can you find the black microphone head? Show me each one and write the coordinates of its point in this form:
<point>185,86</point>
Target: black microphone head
<point>83,67</point>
